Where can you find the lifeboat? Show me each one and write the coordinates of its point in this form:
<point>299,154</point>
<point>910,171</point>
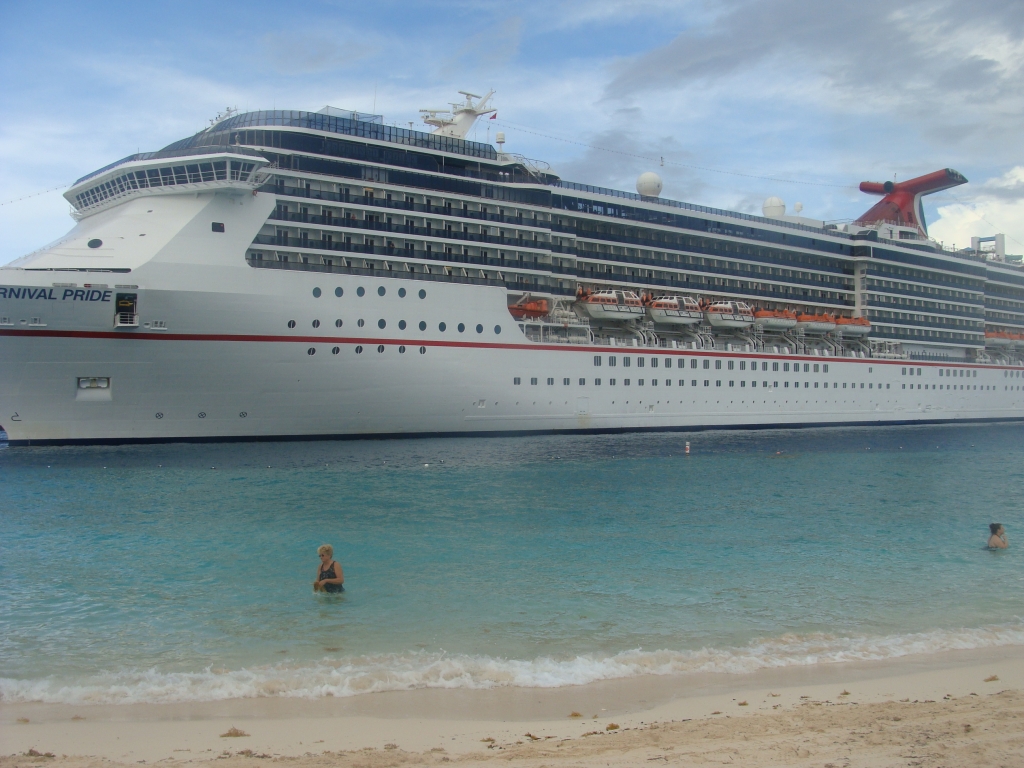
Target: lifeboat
<point>619,306</point>
<point>673,310</point>
<point>775,320</point>
<point>999,339</point>
<point>729,314</point>
<point>527,308</point>
<point>816,323</point>
<point>854,326</point>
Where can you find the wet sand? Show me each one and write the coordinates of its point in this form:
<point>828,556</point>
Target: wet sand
<point>921,710</point>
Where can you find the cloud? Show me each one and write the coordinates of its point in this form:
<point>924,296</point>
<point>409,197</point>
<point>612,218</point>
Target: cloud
<point>492,48</point>
<point>292,53</point>
<point>954,70</point>
<point>995,206</point>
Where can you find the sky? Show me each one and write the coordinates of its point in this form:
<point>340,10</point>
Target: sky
<point>729,101</point>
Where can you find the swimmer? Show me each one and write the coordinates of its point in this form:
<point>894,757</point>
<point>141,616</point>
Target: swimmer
<point>330,577</point>
<point>998,538</point>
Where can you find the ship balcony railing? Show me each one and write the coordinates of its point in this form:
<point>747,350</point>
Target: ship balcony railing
<point>401,205</point>
<point>410,230</point>
<point>126,320</point>
<point>410,253</point>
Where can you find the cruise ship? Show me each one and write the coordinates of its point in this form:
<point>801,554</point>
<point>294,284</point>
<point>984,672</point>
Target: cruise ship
<point>290,274</point>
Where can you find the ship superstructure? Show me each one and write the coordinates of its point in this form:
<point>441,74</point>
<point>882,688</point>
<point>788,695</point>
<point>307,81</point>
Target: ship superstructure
<point>322,273</point>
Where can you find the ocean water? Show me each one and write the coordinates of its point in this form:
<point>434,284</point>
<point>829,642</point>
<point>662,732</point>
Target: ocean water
<point>183,572</point>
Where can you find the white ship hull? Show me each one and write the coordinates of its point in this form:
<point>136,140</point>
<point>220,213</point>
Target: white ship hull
<point>228,367</point>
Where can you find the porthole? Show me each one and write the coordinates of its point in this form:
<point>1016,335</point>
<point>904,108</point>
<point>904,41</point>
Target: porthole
<point>335,350</point>
<point>462,327</point>
<point>381,323</point>
<point>380,348</point>
<point>401,325</point>
<point>423,350</point>
<point>381,291</point>
<point>316,323</point>
<point>360,322</point>
<point>360,291</point>
<point>423,325</point>
<point>242,414</point>
<point>159,415</point>
<point>422,294</point>
<point>338,292</point>
<point>479,328</point>
<point>311,351</point>
<point>401,293</point>
<point>96,243</point>
<point>497,329</point>
<point>401,350</point>
<point>202,414</point>
<point>441,327</point>
<point>337,323</point>
<point>291,323</point>
<point>316,293</point>
<point>359,350</point>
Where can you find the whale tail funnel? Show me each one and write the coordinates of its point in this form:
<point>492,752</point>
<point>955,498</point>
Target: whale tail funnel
<point>901,204</point>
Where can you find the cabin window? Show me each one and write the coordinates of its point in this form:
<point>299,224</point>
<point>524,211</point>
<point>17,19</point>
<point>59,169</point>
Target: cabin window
<point>693,363</point>
<point>815,367</point>
<point>732,365</point>
<point>785,366</point>
<point>565,382</point>
<point>743,365</point>
<point>718,365</point>
<point>625,362</point>
<point>654,362</point>
<point>707,364</point>
<point>583,382</point>
<point>611,360</point>
<point>904,372</point>
<point>551,380</point>
<point>515,381</point>
<point>775,366</point>
<point>217,226</point>
<point>597,361</point>
<point>807,367</point>
<point>533,381</point>
<point>824,368</point>
<point>639,362</point>
<point>597,382</point>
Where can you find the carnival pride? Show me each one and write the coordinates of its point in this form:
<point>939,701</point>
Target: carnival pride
<point>321,274</point>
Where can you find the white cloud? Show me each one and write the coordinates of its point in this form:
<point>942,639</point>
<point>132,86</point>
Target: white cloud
<point>996,206</point>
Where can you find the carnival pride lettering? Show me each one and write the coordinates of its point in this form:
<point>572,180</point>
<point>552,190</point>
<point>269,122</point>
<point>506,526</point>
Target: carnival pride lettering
<point>50,294</point>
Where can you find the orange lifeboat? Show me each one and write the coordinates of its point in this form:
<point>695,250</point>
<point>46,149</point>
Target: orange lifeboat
<point>999,339</point>
<point>775,319</point>
<point>854,326</point>
<point>527,308</point>
<point>816,323</point>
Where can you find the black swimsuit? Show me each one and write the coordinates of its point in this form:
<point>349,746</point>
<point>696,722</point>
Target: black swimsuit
<point>329,573</point>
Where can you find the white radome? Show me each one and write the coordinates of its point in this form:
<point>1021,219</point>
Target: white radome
<point>648,184</point>
<point>773,207</point>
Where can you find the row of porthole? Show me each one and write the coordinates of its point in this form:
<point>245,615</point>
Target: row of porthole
<point>360,291</point>
<point>202,415</point>
<point>402,325</point>
<point>359,350</point>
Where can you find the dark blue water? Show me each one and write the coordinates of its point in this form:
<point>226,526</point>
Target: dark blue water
<point>183,572</point>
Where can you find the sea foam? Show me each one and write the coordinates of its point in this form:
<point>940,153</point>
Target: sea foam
<point>422,669</point>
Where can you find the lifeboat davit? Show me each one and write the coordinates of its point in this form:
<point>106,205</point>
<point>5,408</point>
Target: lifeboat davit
<point>999,339</point>
<point>729,314</point>
<point>854,326</point>
<point>816,323</point>
<point>527,308</point>
<point>775,320</point>
<point>674,310</point>
<point>619,306</point>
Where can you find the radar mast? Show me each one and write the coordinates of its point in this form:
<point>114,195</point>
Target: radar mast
<point>457,121</point>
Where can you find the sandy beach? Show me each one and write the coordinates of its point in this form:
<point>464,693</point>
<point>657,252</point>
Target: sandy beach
<point>958,708</point>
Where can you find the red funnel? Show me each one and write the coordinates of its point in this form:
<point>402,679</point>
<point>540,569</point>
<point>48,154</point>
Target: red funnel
<point>902,202</point>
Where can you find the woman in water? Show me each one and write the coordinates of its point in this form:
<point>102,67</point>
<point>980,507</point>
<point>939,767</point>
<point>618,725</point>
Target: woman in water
<point>330,577</point>
<point>998,538</point>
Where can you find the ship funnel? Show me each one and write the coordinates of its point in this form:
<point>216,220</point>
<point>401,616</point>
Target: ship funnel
<point>902,202</point>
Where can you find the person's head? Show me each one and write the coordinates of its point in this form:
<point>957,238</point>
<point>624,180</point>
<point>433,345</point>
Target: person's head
<point>996,528</point>
<point>325,551</point>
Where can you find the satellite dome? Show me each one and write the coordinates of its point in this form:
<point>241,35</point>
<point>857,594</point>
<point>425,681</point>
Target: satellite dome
<point>773,207</point>
<point>648,184</point>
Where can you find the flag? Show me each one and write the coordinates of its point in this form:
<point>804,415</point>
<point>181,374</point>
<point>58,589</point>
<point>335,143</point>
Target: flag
<point>493,117</point>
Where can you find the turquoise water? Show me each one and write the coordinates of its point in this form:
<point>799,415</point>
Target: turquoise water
<point>183,572</point>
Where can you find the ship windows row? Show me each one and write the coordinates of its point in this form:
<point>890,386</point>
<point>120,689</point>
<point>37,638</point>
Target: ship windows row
<point>613,361</point>
<point>534,381</point>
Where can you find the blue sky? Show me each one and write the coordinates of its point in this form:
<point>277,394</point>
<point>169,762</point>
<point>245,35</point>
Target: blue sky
<point>825,94</point>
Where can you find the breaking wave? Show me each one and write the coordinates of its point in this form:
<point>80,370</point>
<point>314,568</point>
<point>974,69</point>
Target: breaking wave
<point>408,671</point>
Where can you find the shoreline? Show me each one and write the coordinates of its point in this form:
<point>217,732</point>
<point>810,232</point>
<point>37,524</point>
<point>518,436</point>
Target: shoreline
<point>457,720</point>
